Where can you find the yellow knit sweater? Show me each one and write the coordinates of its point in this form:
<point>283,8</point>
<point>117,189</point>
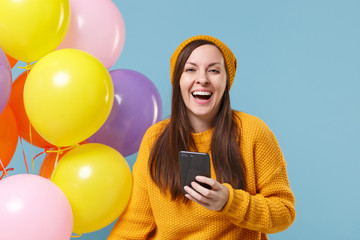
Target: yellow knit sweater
<point>267,205</point>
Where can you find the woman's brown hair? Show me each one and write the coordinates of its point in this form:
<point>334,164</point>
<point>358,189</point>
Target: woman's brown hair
<point>225,142</point>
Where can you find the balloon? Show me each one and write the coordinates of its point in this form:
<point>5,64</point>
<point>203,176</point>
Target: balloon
<point>5,80</point>
<point>97,181</point>
<point>32,207</point>
<point>16,102</point>
<point>12,61</point>
<point>8,136</point>
<point>32,29</point>
<point>137,105</point>
<point>48,164</point>
<point>68,96</point>
<point>97,27</point>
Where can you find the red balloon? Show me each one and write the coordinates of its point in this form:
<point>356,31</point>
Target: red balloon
<point>11,60</point>
<point>8,136</point>
<point>16,102</point>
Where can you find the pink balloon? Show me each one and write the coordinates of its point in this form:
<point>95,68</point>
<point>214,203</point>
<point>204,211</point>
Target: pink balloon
<point>33,207</point>
<point>97,27</point>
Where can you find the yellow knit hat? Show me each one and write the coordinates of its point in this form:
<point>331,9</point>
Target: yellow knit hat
<point>227,53</point>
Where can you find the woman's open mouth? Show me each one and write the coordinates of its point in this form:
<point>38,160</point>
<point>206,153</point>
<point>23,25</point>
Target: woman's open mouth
<point>202,96</point>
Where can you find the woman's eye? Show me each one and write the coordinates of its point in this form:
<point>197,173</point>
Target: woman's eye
<point>189,70</point>
<point>214,71</point>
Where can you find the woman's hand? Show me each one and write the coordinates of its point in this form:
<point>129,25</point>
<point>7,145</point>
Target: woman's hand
<point>214,199</point>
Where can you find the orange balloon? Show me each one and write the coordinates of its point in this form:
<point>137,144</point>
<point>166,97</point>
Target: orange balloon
<point>8,136</point>
<point>47,166</point>
<point>16,102</point>
<point>11,60</point>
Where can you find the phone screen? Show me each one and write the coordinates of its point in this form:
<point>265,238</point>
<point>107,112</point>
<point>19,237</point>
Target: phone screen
<point>193,164</point>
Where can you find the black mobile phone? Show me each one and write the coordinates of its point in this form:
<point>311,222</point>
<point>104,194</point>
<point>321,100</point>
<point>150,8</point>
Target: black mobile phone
<point>193,164</point>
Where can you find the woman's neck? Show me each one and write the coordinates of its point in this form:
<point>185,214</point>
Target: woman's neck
<point>201,124</point>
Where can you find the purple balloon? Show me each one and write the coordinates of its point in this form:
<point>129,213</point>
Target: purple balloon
<point>137,106</point>
<point>5,80</point>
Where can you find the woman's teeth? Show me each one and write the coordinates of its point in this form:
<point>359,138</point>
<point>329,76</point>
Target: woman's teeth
<point>202,94</point>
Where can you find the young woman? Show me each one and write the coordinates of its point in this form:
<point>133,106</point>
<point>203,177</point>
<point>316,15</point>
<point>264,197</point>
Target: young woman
<point>250,194</point>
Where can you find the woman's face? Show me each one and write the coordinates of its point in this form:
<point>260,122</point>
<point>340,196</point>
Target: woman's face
<point>203,83</point>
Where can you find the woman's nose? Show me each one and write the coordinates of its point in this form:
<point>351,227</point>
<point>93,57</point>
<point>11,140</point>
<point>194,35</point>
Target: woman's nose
<point>202,78</point>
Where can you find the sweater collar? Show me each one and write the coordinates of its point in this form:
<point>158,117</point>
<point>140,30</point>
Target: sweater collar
<point>203,140</point>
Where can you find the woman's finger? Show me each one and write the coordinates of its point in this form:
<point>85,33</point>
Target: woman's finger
<point>209,181</point>
<point>194,194</point>
<point>206,193</point>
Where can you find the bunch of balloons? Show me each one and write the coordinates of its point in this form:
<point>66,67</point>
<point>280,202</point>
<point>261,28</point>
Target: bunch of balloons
<point>67,102</point>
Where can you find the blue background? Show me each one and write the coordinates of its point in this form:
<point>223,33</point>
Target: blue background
<point>298,70</point>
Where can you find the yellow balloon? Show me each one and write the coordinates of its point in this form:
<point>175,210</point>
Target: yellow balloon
<point>68,96</point>
<point>97,181</point>
<point>31,29</point>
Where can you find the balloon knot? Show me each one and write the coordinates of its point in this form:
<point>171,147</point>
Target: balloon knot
<point>59,150</point>
<point>75,235</point>
<point>28,67</point>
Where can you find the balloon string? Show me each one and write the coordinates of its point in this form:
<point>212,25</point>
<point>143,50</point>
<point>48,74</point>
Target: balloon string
<point>31,149</point>
<point>76,236</point>
<point>4,170</point>
<point>27,68</point>
<point>38,155</point>
<point>22,146</point>
<point>56,159</point>
<point>58,152</point>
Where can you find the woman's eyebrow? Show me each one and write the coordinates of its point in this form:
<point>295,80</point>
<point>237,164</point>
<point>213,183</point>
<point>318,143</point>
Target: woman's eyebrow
<point>214,63</point>
<point>211,64</point>
<point>191,63</point>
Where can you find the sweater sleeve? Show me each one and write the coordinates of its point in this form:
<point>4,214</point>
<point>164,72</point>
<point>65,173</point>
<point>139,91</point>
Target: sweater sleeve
<point>137,221</point>
<point>272,208</point>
